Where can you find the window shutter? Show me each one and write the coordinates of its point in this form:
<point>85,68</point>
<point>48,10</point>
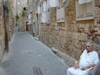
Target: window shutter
<point>44,6</point>
<point>39,9</point>
<point>80,10</point>
<point>53,3</point>
<point>62,13</point>
<point>48,4</point>
<point>44,19</point>
<point>85,11</point>
<point>58,14</point>
<point>48,16</point>
<point>89,9</point>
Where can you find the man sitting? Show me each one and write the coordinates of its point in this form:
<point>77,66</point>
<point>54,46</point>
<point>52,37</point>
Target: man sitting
<point>89,58</point>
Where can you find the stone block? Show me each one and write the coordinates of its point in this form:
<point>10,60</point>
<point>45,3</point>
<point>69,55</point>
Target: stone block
<point>75,36</point>
<point>65,34</point>
<point>62,34</point>
<point>80,27</point>
<point>83,37</point>
<point>74,27</point>
<point>75,43</point>
<point>70,27</point>
<point>68,41</point>
<point>69,34</point>
<point>86,29</point>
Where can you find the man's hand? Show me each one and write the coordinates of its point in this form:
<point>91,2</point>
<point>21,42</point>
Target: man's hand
<point>84,68</point>
<point>76,66</point>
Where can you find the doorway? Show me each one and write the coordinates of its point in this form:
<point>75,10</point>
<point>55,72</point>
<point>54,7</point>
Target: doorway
<point>26,26</point>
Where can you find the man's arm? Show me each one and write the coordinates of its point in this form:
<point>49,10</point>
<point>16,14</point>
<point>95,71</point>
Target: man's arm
<point>77,65</point>
<point>84,68</point>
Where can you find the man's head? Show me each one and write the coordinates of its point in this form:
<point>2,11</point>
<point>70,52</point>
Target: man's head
<point>89,47</point>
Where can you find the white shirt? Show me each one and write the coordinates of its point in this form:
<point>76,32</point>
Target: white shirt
<point>87,59</point>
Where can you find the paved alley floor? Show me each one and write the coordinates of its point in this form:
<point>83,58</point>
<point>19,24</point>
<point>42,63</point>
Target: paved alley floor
<point>30,57</point>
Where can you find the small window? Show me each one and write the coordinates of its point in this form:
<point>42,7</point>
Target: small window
<point>24,8</point>
<point>18,2</point>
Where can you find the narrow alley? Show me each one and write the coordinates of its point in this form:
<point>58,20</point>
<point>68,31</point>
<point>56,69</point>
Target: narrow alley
<point>30,57</point>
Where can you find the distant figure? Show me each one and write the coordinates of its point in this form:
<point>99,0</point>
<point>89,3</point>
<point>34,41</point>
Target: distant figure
<point>89,58</point>
<point>18,29</point>
<point>96,69</point>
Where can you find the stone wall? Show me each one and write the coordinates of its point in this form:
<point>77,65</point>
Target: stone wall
<point>70,37</point>
<point>2,31</point>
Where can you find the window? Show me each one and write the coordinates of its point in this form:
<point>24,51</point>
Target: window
<point>60,11</point>
<point>24,8</point>
<point>43,17</point>
<point>30,18</point>
<point>18,2</point>
<point>44,6</point>
<point>41,7</point>
<point>39,10</point>
<point>84,11</point>
<point>53,3</point>
<point>48,11</point>
<point>44,10</point>
<point>60,3</point>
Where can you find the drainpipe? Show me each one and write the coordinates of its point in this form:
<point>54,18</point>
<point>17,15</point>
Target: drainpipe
<point>6,33</point>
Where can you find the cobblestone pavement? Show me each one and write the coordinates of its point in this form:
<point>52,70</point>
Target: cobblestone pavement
<point>30,57</point>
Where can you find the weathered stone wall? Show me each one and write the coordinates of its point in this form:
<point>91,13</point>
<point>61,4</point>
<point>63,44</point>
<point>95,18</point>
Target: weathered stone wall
<point>10,19</point>
<point>71,36</point>
<point>22,22</point>
<point>2,31</point>
<point>22,19</point>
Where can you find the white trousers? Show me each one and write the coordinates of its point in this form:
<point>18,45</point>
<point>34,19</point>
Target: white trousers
<point>73,71</point>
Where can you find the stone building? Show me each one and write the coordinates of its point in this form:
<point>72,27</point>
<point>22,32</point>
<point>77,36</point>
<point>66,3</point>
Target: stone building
<point>2,31</point>
<point>20,17</point>
<point>31,6</point>
<point>66,25</point>
<point>6,25</point>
